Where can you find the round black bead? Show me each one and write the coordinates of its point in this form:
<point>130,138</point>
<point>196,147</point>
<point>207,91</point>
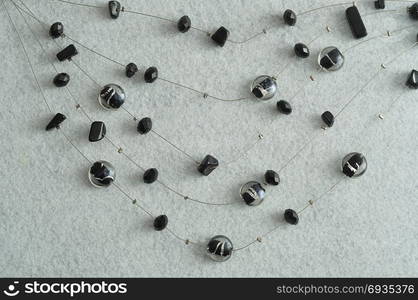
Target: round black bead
<point>160,223</point>
<point>284,107</point>
<point>151,75</point>
<point>184,24</point>
<point>301,50</point>
<point>272,178</point>
<point>290,17</point>
<point>150,176</point>
<point>413,11</point>
<point>144,126</point>
<point>56,30</point>
<point>61,80</point>
<point>131,70</point>
<point>291,217</point>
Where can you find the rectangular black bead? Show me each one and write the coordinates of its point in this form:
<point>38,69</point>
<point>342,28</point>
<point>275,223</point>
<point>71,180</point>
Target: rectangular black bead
<point>380,4</point>
<point>67,53</point>
<point>356,22</point>
<point>97,131</point>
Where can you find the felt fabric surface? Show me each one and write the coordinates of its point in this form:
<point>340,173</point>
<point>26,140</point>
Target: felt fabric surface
<point>54,223</point>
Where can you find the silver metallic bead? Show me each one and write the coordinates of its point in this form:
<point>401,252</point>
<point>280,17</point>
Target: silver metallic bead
<point>220,248</point>
<point>112,96</point>
<point>102,174</point>
<point>252,193</point>
<point>354,165</point>
<point>331,59</point>
<point>264,87</point>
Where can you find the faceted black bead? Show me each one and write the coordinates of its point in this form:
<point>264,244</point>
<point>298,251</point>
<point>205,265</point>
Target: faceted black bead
<point>413,80</point>
<point>380,4</point>
<point>413,11</point>
<point>284,107</point>
<point>221,36</point>
<point>56,30</point>
<point>150,176</point>
<point>131,70</point>
<point>144,126</point>
<point>184,24</point>
<point>61,80</point>
<point>301,50</point>
<point>272,177</point>
<point>160,223</point>
<point>151,75</point>
<point>114,9</point>
<point>97,131</point>
<point>328,118</point>
<point>55,122</point>
<point>208,165</point>
<point>67,53</point>
<point>291,217</point>
<point>290,17</point>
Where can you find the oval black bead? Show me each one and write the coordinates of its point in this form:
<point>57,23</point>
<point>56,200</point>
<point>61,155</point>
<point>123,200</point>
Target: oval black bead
<point>413,11</point>
<point>150,176</point>
<point>291,217</point>
<point>184,24</point>
<point>61,79</point>
<point>328,118</point>
<point>114,9</point>
<point>56,30</point>
<point>301,50</point>
<point>151,75</point>
<point>290,17</point>
<point>144,126</point>
<point>160,222</point>
<point>131,70</point>
<point>271,177</point>
<point>284,107</point>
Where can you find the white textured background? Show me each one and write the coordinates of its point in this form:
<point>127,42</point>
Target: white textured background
<point>53,223</point>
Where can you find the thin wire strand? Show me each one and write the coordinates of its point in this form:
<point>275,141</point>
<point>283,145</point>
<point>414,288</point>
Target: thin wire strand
<point>79,4</point>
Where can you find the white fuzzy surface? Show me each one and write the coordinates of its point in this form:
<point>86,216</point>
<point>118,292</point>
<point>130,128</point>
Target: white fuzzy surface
<point>53,223</point>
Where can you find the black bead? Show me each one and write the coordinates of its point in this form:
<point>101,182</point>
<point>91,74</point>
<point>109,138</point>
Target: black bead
<point>144,126</point>
<point>328,118</point>
<point>151,75</point>
<point>284,107</point>
<point>160,223</point>
<point>150,176</point>
<point>184,24</point>
<point>413,11</point>
<point>413,80</point>
<point>131,70</point>
<point>352,166</point>
<point>55,122</point>
<point>380,4</point>
<point>97,131</point>
<point>356,22</point>
<point>67,53</point>
<point>61,79</point>
<point>56,30</point>
<point>331,59</point>
<point>272,178</point>
<point>290,17</point>
<point>114,9</point>
<point>208,165</point>
<point>301,50</point>
<point>221,36</point>
<point>291,217</point>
